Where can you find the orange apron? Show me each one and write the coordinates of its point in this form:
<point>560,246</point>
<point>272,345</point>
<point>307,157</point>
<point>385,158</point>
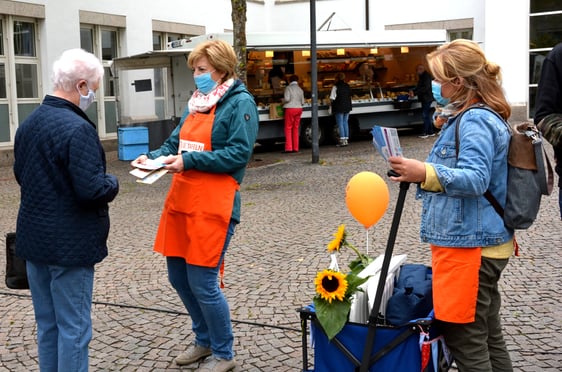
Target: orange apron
<point>197,210</point>
<point>455,283</point>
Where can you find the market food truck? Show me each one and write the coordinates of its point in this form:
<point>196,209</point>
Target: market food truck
<point>153,87</point>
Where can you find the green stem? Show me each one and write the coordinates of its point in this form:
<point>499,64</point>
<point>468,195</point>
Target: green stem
<point>354,249</point>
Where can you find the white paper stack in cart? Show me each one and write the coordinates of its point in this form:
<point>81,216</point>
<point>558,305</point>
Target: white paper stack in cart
<point>362,302</point>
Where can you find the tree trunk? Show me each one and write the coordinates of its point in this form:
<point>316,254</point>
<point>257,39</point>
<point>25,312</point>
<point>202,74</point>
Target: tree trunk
<point>239,37</point>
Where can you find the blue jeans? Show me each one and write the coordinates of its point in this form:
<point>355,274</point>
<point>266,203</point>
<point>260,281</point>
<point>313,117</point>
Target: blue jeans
<point>62,300</point>
<point>427,118</point>
<point>199,291</point>
<point>341,121</point>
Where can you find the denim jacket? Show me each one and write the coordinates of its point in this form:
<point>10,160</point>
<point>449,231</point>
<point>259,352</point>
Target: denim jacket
<point>460,215</point>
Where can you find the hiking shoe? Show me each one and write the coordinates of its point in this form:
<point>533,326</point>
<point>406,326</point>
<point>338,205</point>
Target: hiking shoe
<point>193,354</point>
<point>217,365</point>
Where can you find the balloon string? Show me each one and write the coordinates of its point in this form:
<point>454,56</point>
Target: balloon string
<point>367,231</point>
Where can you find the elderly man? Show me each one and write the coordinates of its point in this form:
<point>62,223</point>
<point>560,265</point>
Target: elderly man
<point>63,220</point>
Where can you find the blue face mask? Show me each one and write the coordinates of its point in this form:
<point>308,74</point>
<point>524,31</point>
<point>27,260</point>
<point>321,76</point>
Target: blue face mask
<point>205,83</point>
<point>436,90</point>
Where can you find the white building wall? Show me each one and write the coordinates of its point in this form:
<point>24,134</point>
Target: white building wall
<point>61,28</point>
<point>507,43</point>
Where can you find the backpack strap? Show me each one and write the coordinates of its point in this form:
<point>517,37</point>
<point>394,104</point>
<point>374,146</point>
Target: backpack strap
<point>488,195</point>
<point>545,184</point>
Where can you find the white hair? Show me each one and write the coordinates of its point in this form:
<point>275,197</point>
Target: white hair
<point>75,65</point>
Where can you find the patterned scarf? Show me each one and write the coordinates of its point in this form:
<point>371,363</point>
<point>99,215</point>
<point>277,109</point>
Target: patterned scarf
<point>200,102</point>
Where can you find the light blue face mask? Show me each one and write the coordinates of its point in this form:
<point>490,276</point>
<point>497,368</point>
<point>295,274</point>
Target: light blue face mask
<point>436,90</point>
<point>86,101</point>
<point>205,83</point>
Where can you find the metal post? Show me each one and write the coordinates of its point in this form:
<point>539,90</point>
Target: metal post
<point>314,85</point>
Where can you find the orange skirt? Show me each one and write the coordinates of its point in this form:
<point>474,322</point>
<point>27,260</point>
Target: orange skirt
<point>455,283</point>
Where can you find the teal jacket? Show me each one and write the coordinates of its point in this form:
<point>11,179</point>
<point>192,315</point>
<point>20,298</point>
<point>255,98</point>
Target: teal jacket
<point>233,137</point>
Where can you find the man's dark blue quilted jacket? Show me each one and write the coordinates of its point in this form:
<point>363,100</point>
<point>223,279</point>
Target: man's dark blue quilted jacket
<point>60,165</point>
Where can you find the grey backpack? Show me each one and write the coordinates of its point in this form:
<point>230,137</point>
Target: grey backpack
<point>527,177</point>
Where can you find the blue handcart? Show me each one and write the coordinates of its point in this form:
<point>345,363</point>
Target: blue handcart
<point>414,346</point>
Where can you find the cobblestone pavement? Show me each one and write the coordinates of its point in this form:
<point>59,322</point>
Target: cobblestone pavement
<point>290,210</point>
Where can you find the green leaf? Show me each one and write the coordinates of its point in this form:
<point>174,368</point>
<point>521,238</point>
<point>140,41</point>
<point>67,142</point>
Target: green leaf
<point>354,281</point>
<point>332,316</point>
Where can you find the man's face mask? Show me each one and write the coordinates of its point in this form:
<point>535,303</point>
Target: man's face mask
<point>86,101</point>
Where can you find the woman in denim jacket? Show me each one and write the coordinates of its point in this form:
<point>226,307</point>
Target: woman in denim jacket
<point>469,242</point>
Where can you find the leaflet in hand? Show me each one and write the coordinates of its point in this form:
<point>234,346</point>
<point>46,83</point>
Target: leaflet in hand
<point>386,141</point>
<point>151,164</point>
<point>149,172</point>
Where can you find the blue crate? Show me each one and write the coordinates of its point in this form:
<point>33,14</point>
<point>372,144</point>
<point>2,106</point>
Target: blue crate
<point>131,152</point>
<point>133,135</point>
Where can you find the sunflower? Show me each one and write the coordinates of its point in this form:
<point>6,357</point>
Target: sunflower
<point>339,240</point>
<point>331,285</point>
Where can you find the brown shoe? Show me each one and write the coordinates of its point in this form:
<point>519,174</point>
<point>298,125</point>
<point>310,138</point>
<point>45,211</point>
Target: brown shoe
<point>193,354</point>
<point>217,365</point>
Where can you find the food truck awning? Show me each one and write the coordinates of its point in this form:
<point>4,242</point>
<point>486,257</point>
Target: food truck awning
<point>288,41</point>
<point>150,59</point>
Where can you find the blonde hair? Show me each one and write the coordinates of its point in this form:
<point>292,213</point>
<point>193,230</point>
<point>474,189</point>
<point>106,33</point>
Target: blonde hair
<point>220,55</point>
<point>481,78</point>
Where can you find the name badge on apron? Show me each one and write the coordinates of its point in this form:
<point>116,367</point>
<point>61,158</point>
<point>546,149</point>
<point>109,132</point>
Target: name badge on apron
<point>190,146</point>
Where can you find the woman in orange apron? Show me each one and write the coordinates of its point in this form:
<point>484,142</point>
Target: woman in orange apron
<point>470,244</point>
<point>207,155</point>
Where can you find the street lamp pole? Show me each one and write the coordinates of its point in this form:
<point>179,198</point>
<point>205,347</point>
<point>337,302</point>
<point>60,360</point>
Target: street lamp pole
<point>314,85</point>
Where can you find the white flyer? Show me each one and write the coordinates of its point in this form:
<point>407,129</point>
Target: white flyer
<point>150,171</point>
<point>386,141</point>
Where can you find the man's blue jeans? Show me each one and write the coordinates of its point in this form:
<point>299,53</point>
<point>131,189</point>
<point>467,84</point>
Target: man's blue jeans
<point>199,291</point>
<point>62,300</point>
<point>342,122</point>
<point>427,118</point>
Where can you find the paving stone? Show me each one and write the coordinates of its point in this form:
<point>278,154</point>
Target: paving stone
<point>290,209</point>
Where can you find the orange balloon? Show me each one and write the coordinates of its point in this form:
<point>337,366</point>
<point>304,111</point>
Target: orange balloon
<point>367,198</point>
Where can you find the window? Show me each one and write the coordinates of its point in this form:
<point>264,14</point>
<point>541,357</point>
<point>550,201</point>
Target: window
<point>539,6</point>
<point>459,34</point>
<point>157,41</point>
<point>19,65</point>
<point>103,42</point>
<point>2,63</point>
<point>2,81</point>
<point>24,39</point>
<point>1,37</point>
<point>26,80</point>
<point>545,31</point>
<point>87,39</point>
<point>108,44</point>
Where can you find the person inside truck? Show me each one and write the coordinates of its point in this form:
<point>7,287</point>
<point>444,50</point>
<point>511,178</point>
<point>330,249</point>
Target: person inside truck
<point>340,98</point>
<point>423,91</point>
<point>293,100</point>
<point>207,155</point>
<point>277,80</point>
